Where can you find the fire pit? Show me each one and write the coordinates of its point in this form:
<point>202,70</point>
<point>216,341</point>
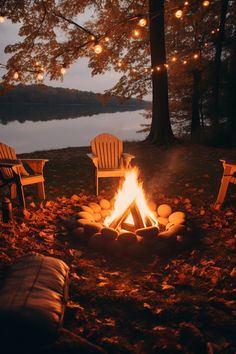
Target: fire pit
<point>130,223</point>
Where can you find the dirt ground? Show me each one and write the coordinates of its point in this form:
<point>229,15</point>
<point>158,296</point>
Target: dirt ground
<point>177,302</point>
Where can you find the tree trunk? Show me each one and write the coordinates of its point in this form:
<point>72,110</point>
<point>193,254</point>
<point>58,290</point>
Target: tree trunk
<point>160,131</point>
<point>196,123</point>
<point>217,64</point>
<point>231,121</point>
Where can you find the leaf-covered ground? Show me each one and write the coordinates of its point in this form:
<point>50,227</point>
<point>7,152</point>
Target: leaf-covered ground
<point>177,303</point>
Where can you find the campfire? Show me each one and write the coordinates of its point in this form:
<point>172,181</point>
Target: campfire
<point>128,223</point>
<point>131,211</point>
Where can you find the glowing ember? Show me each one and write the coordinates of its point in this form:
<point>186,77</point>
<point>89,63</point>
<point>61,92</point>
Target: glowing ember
<point>129,194</point>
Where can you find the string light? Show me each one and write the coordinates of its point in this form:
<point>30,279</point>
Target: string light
<point>2,19</point>
<point>136,33</point>
<point>40,77</point>
<point>98,49</point>
<point>142,22</point>
<point>206,3</point>
<point>178,13</point>
<point>63,70</point>
<point>16,75</point>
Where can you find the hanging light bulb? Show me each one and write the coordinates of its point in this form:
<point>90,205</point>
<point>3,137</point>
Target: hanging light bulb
<point>166,66</point>
<point>174,59</point>
<point>185,62</point>
<point>92,38</point>
<point>16,75</point>
<point>178,13</point>
<point>37,63</point>
<point>142,22</point>
<point>186,3</point>
<point>107,39</point>
<point>195,56</point>
<point>136,33</point>
<point>63,70</point>
<point>206,3</point>
<point>146,70</point>
<point>2,19</point>
<point>158,68</point>
<point>40,77</point>
<point>42,69</point>
<point>119,64</point>
<point>98,49</point>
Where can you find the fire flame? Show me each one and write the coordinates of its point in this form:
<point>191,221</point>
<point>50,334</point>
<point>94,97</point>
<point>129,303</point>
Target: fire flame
<point>130,191</point>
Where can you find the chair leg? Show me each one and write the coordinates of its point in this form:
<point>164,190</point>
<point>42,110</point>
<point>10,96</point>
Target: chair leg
<point>96,183</point>
<point>41,190</point>
<point>223,189</point>
<point>20,194</point>
<point>13,191</point>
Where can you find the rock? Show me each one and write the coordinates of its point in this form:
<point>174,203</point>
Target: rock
<point>152,206</point>
<point>164,210</point>
<point>114,248</point>
<point>105,213</point>
<point>77,231</point>
<point>96,207</point>
<point>163,221</point>
<point>96,241</point>
<point>105,204</point>
<point>87,209</point>
<point>126,238</point>
<point>92,228</point>
<point>97,216</point>
<point>148,232</point>
<point>170,224</point>
<point>109,233</point>
<point>74,198</point>
<point>85,215</point>
<point>78,234</point>
<point>179,221</point>
<point>83,222</point>
<point>173,231</point>
<point>177,215</point>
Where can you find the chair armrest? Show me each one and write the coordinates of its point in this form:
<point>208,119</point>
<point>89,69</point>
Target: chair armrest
<point>15,166</point>
<point>94,158</point>
<point>127,159</point>
<point>36,165</point>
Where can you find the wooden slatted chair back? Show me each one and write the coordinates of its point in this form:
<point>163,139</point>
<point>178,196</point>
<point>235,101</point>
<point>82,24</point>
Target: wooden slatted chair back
<point>7,153</point>
<point>108,149</point>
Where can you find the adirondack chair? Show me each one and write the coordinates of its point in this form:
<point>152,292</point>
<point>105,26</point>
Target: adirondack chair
<point>14,175</point>
<point>108,157</point>
<point>229,176</point>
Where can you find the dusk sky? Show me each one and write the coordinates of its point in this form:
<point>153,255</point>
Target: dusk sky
<point>77,77</point>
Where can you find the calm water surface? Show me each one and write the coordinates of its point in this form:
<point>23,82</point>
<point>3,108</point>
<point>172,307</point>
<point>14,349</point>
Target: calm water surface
<point>54,134</point>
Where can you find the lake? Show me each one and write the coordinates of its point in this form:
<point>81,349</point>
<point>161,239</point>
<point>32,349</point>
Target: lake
<point>31,136</point>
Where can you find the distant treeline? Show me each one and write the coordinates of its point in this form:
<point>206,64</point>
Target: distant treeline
<point>40,102</point>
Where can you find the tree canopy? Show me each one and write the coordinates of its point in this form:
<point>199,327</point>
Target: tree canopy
<point>146,41</point>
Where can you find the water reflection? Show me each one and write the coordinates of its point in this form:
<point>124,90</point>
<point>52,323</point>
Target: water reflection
<point>53,134</point>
